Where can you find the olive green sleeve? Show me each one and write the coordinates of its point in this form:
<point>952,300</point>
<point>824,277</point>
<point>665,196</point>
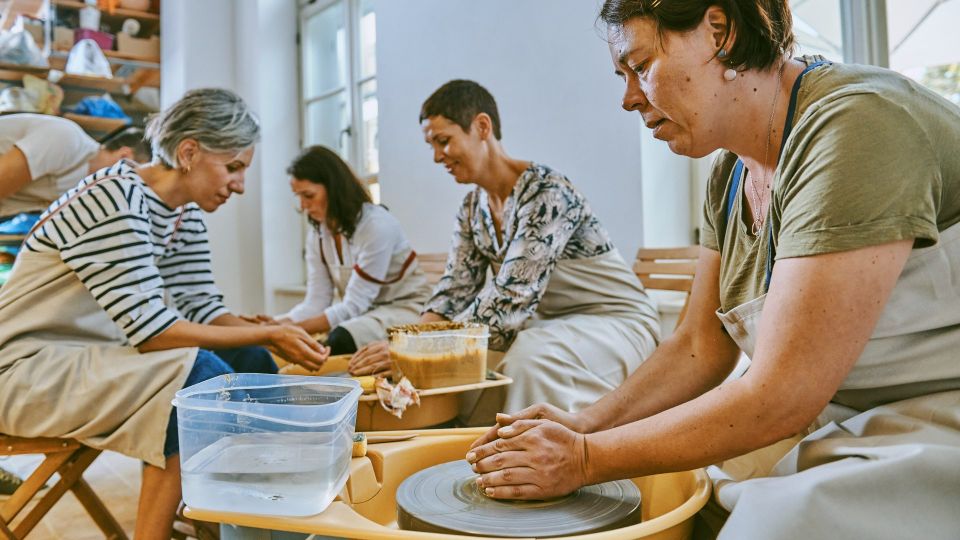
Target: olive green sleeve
<point>714,201</point>
<point>859,172</point>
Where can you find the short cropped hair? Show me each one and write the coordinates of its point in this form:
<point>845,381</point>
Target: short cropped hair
<point>132,138</point>
<point>763,28</point>
<point>345,192</point>
<point>460,101</point>
<point>216,118</point>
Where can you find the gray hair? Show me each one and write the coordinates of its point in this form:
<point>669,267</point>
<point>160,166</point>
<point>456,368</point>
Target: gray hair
<point>216,118</point>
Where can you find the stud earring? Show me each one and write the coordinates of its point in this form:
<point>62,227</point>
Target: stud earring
<point>730,74</point>
<point>722,53</point>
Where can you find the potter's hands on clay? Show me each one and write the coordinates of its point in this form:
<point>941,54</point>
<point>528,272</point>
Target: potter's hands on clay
<point>531,459</point>
<point>372,358</point>
<point>540,411</point>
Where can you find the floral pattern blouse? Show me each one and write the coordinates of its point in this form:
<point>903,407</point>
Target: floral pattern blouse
<point>545,220</point>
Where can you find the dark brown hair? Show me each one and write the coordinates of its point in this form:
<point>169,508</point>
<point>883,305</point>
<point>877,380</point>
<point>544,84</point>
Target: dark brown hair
<point>460,101</point>
<point>345,192</point>
<point>132,138</point>
<point>763,29</point>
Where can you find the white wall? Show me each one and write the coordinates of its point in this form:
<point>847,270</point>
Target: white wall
<point>559,102</point>
<point>248,46</point>
<point>543,60</point>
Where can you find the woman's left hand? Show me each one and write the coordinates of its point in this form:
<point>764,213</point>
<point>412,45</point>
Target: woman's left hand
<point>261,319</point>
<point>531,459</point>
<point>372,358</point>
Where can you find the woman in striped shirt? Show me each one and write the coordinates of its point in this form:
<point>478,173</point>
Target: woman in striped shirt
<point>111,307</point>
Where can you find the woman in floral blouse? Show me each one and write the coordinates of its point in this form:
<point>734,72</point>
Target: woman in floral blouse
<point>573,319</point>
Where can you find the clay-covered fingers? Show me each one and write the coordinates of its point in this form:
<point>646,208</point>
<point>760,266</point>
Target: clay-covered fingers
<point>496,446</point>
<point>539,453</point>
<point>298,347</point>
<point>509,477</point>
<point>515,492</point>
<point>504,419</point>
<point>500,460</point>
<point>371,358</point>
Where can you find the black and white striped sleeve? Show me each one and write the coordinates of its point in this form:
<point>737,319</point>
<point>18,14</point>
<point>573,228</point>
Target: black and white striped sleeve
<point>108,245</point>
<point>187,271</point>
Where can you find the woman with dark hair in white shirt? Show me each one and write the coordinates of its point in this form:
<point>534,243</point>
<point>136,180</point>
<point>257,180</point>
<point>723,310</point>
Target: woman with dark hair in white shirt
<point>362,275</point>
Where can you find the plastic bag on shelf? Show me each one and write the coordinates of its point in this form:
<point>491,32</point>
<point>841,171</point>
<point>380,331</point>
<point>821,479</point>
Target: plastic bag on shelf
<point>18,47</point>
<point>103,106</point>
<point>16,99</point>
<point>48,95</point>
<point>86,58</point>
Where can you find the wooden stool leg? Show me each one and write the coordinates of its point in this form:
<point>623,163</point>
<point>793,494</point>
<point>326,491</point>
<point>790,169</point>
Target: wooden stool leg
<point>70,472</point>
<point>104,519</point>
<point>6,532</point>
<point>24,494</point>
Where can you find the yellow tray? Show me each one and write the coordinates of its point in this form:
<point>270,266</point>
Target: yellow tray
<point>366,508</point>
<point>437,405</point>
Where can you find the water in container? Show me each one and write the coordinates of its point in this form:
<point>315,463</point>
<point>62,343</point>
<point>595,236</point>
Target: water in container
<point>266,444</point>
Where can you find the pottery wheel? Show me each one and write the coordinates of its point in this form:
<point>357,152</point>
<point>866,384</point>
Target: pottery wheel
<point>445,499</point>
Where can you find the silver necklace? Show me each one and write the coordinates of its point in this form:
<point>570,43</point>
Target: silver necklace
<point>758,211</point>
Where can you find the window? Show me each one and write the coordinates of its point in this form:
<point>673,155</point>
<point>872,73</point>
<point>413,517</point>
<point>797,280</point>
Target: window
<point>925,45</point>
<point>338,82</point>
<point>816,25</point>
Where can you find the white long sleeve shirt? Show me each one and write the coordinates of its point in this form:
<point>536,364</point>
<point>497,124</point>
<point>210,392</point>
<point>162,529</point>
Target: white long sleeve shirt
<point>377,241</point>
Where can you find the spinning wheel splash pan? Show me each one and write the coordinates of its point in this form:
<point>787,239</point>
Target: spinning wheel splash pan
<point>445,499</point>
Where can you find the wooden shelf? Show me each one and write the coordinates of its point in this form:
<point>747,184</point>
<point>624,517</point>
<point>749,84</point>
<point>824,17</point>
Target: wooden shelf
<point>119,12</point>
<point>12,239</point>
<point>15,72</point>
<point>58,58</point>
<point>96,123</point>
<point>118,86</point>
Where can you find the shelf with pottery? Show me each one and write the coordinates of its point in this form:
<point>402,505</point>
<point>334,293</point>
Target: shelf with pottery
<point>96,123</point>
<point>123,13</point>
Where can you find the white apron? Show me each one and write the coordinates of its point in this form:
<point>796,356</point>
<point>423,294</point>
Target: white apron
<point>593,327</point>
<point>400,300</point>
<point>883,459</point>
<point>66,369</point>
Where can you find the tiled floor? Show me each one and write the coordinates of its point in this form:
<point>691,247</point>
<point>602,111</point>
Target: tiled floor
<point>114,477</point>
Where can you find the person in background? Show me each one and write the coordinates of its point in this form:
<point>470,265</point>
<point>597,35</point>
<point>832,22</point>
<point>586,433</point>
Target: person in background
<point>830,255</point>
<point>357,253</point>
<point>572,318</point>
<point>43,156</point>
<point>89,347</point>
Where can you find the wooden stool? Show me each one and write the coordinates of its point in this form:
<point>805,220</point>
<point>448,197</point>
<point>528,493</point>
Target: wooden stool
<point>69,459</point>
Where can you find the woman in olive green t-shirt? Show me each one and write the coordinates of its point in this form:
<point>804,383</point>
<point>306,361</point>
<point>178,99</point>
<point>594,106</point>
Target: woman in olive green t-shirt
<point>831,255</point>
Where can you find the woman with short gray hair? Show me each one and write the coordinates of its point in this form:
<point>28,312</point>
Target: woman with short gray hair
<point>86,324</point>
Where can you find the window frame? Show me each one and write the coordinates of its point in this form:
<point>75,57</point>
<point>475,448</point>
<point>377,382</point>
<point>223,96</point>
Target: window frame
<point>353,80</point>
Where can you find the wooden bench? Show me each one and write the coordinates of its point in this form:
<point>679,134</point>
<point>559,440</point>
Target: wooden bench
<point>670,269</point>
<point>69,459</point>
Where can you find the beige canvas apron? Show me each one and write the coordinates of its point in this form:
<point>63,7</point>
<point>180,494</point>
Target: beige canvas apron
<point>66,369</point>
<point>882,460</point>
<point>593,327</point>
<point>400,300</point>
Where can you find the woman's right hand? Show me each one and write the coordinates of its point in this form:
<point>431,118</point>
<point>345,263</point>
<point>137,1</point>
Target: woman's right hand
<point>540,411</point>
<point>296,346</point>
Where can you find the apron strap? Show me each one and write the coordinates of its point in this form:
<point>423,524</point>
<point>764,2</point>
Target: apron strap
<point>403,270</point>
<point>85,188</point>
<point>738,169</point>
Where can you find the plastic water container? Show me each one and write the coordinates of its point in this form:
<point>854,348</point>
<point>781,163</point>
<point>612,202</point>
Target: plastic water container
<point>266,444</point>
<point>435,355</point>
